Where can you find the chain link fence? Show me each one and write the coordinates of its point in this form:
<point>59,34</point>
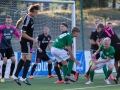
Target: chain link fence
<point>52,14</point>
<point>100,10</point>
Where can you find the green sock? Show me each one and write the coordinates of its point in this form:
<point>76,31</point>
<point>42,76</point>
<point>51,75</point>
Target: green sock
<point>64,69</point>
<point>108,74</point>
<point>105,70</point>
<point>91,75</point>
<point>70,66</point>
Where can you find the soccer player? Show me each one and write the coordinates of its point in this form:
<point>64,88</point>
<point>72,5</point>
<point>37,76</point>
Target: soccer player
<point>109,24</point>
<point>62,55</point>
<point>58,66</point>
<point>106,58</point>
<point>115,41</point>
<point>26,42</point>
<point>94,45</point>
<point>6,32</point>
<point>43,41</point>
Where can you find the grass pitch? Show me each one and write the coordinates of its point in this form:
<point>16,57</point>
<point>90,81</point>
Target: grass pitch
<point>43,83</point>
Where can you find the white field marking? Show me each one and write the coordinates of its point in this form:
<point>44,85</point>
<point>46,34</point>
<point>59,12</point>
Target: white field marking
<point>8,79</point>
<point>93,87</point>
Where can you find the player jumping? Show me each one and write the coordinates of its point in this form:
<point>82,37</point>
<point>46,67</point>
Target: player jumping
<point>26,42</point>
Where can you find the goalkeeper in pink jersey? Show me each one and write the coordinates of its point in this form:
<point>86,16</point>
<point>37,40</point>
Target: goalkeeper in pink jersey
<point>6,32</point>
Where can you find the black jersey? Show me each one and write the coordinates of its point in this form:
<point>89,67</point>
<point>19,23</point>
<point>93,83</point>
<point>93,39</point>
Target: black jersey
<point>111,34</point>
<point>94,36</point>
<point>28,25</point>
<point>43,41</point>
<point>65,32</point>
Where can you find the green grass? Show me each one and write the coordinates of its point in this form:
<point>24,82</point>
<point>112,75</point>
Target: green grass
<point>43,83</point>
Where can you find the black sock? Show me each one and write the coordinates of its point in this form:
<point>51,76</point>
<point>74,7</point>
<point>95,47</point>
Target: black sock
<point>12,68</point>
<point>118,73</point>
<point>3,70</point>
<point>73,72</point>
<point>19,67</point>
<point>57,70</point>
<point>26,68</point>
<point>88,72</point>
<point>49,68</point>
<point>33,69</point>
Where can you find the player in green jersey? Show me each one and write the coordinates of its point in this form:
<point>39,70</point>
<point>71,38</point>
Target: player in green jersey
<point>62,55</point>
<point>106,58</point>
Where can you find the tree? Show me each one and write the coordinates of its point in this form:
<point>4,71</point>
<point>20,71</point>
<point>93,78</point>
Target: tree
<point>114,4</point>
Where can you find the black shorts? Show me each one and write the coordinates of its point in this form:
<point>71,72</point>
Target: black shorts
<point>58,63</point>
<point>117,52</point>
<point>7,53</point>
<point>41,56</point>
<point>92,51</point>
<point>26,47</point>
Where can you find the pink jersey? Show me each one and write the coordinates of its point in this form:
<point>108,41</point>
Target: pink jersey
<point>6,35</point>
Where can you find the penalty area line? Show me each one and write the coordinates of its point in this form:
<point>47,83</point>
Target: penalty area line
<point>93,87</point>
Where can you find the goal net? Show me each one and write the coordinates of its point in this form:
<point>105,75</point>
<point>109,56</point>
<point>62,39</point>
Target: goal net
<point>52,13</point>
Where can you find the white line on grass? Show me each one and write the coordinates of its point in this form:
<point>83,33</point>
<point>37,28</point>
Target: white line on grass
<point>92,87</point>
<point>33,79</point>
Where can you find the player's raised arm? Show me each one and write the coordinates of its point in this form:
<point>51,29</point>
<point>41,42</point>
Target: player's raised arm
<point>20,21</point>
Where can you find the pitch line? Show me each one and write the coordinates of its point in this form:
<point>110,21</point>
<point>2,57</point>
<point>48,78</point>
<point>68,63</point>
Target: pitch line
<point>93,87</point>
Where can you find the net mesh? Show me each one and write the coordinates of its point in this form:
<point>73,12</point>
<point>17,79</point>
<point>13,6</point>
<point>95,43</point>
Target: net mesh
<point>50,14</point>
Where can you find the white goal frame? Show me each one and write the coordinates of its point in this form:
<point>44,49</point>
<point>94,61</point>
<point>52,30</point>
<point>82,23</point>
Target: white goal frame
<point>72,20</point>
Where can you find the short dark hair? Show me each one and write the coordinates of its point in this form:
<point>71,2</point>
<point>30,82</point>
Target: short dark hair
<point>65,24</point>
<point>33,7</point>
<point>75,29</point>
<point>8,16</point>
<point>109,23</point>
<point>100,26</point>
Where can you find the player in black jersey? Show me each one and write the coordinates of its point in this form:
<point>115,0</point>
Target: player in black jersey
<point>94,46</point>
<point>58,66</point>
<point>41,54</point>
<point>26,42</point>
<point>115,42</point>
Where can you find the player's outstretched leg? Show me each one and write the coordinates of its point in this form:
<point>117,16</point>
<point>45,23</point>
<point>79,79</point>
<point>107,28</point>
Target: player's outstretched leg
<point>57,70</point>
<point>19,67</point>
<point>110,65</point>
<point>3,72</point>
<point>92,74</point>
<point>76,74</point>
<point>12,69</point>
<point>117,76</point>
<point>87,74</point>
<point>50,75</point>
<point>107,75</point>
<point>33,70</point>
<point>12,66</point>
<point>25,71</point>
<point>70,66</point>
<point>105,70</point>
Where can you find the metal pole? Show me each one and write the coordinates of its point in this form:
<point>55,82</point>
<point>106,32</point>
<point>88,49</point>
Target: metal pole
<point>82,23</point>
<point>74,39</point>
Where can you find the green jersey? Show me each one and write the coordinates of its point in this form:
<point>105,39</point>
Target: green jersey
<point>63,40</point>
<point>107,52</point>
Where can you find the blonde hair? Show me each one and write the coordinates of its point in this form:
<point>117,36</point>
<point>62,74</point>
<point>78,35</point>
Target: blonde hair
<point>107,39</point>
